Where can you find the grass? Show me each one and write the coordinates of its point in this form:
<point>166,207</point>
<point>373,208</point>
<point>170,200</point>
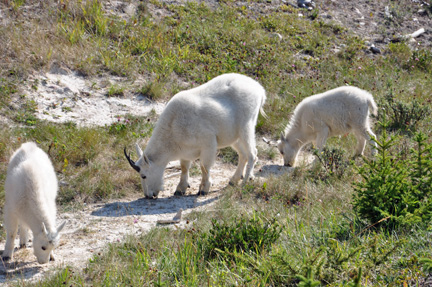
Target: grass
<point>322,239</point>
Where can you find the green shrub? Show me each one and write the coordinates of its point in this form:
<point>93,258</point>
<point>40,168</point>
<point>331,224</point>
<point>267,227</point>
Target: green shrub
<point>402,116</point>
<point>394,189</point>
<point>241,235</point>
<point>333,160</point>
<point>116,91</point>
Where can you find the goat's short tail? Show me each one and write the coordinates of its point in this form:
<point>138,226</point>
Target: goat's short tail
<point>372,106</point>
<point>262,112</point>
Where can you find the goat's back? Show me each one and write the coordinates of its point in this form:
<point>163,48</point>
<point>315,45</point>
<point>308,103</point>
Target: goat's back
<point>222,106</point>
<point>341,109</point>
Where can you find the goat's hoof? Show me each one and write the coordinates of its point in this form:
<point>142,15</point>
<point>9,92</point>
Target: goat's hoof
<point>179,193</point>
<point>23,246</point>
<point>151,197</point>
<point>6,258</point>
<point>202,192</point>
<point>52,257</point>
<point>231,183</point>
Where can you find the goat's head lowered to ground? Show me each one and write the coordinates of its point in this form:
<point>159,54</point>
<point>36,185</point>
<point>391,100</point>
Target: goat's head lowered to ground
<point>151,174</point>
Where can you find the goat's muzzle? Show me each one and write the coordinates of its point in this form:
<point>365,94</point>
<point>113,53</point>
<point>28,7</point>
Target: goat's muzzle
<point>131,162</point>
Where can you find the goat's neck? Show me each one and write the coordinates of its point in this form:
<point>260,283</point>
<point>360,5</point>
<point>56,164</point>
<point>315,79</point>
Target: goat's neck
<point>297,139</point>
<point>36,224</point>
<point>159,153</point>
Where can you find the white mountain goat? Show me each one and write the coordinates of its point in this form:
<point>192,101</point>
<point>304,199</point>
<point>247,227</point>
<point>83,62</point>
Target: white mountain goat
<point>30,193</point>
<point>195,124</point>
<point>336,112</point>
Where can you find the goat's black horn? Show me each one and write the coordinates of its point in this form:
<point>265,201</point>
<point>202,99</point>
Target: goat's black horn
<point>131,162</point>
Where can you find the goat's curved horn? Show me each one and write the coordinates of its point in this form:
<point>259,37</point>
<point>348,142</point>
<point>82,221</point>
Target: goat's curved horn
<point>131,162</point>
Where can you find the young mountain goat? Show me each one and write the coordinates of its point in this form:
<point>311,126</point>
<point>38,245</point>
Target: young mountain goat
<point>195,124</point>
<point>335,112</point>
<point>30,193</point>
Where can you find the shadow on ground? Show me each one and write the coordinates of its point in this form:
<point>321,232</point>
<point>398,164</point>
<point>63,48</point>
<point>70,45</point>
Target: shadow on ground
<point>145,206</point>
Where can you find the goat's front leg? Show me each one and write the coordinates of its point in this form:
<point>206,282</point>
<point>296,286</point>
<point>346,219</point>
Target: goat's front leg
<point>52,257</point>
<point>11,225</point>
<point>184,178</point>
<point>321,141</point>
<point>322,138</point>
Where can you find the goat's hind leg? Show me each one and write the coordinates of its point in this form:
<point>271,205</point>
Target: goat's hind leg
<point>249,145</point>
<point>24,235</point>
<point>362,137</point>
<point>184,178</point>
<point>242,154</point>
<point>372,140</point>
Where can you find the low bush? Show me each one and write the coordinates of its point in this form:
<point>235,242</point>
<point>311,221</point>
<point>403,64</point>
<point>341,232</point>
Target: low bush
<point>239,235</point>
<point>394,190</point>
<point>401,116</point>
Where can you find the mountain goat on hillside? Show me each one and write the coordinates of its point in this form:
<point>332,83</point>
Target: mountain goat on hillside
<point>30,193</point>
<point>336,112</point>
<point>195,124</point>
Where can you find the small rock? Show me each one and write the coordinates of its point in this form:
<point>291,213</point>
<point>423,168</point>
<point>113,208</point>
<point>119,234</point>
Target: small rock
<point>67,90</point>
<point>387,12</point>
<point>63,183</point>
<point>422,12</point>
<point>326,16</point>
<point>308,4</point>
<point>276,36</point>
<point>375,50</point>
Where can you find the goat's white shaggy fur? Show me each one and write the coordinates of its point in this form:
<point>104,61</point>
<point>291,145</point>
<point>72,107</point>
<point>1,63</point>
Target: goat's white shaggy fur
<point>30,193</point>
<point>195,124</point>
<point>336,112</point>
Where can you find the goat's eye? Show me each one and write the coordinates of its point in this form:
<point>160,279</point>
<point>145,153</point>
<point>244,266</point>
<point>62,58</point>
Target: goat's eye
<point>143,176</point>
<point>281,152</point>
<point>43,248</point>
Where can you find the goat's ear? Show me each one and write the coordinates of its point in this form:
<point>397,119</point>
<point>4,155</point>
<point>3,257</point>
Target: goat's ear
<point>282,137</point>
<point>146,159</point>
<point>44,228</point>
<point>138,150</point>
<point>61,227</point>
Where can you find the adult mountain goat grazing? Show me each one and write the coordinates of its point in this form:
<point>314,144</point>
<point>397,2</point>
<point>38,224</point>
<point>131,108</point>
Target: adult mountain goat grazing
<point>195,124</point>
<point>335,112</point>
<point>30,193</point>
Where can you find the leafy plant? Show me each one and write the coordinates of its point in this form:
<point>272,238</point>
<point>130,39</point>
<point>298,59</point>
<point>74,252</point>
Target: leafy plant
<point>334,162</point>
<point>427,264</point>
<point>242,235</point>
<point>152,90</point>
<point>116,91</point>
<point>308,280</point>
<point>402,116</point>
